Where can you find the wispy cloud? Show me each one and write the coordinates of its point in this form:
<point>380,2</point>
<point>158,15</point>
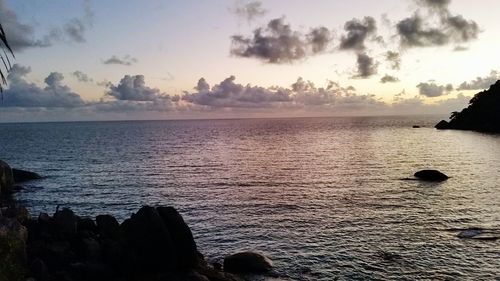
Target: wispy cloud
<point>125,60</point>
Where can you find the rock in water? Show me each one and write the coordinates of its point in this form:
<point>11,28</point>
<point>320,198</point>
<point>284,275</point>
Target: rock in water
<point>442,125</point>
<point>469,233</point>
<point>431,175</point>
<point>22,175</point>
<point>247,262</point>
<point>6,178</point>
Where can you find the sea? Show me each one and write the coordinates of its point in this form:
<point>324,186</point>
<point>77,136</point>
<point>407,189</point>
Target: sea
<point>324,198</point>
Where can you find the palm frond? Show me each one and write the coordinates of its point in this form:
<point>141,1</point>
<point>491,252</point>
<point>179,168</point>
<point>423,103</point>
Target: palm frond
<point>4,44</point>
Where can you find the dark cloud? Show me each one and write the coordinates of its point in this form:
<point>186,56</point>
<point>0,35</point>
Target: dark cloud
<point>416,31</point>
<point>278,43</point>
<point>357,33</point>
<point>133,88</point>
<point>435,4</point>
<point>25,94</point>
<point>388,79</point>
<point>230,94</point>
<point>82,77</point>
<point>394,58</point>
<point>19,35</point>
<point>249,11</point>
<point>125,60</point>
<point>302,94</point>
<point>367,66</point>
<point>480,83</point>
<point>319,39</point>
<point>22,36</point>
<point>431,89</point>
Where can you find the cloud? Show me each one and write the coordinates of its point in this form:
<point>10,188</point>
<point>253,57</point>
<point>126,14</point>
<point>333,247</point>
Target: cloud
<point>435,4</point>
<point>249,11</point>
<point>25,94</point>
<point>75,29</point>
<point>414,31</point>
<point>229,94</point>
<point>22,36</point>
<point>357,33</point>
<point>389,79</point>
<point>367,66</point>
<point>431,89</point>
<point>394,58</point>
<point>19,35</point>
<point>278,43</point>
<point>319,39</point>
<point>133,88</point>
<point>301,95</point>
<point>480,83</point>
<point>82,77</point>
<point>126,60</point>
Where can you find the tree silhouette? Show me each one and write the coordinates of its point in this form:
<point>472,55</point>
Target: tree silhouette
<point>4,44</point>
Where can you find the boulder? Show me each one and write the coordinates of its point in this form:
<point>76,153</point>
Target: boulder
<point>149,244</point>
<point>22,175</point>
<point>182,238</point>
<point>442,125</point>
<point>6,178</point>
<point>85,227</point>
<point>247,262</point>
<point>65,222</point>
<point>431,175</point>
<point>107,226</point>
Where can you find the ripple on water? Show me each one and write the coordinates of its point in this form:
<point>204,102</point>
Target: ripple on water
<point>320,196</point>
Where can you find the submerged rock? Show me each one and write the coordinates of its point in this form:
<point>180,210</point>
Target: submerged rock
<point>247,262</point>
<point>431,175</point>
<point>22,175</point>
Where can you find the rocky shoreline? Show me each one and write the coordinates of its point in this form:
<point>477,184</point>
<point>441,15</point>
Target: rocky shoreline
<point>153,244</point>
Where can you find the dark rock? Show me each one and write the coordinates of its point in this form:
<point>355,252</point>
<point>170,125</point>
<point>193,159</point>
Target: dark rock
<point>431,175</point>
<point>470,233</point>
<point>247,262</point>
<point>150,247</point>
<point>113,252</point>
<point>86,227</point>
<point>442,125</point>
<point>6,178</point>
<point>217,265</point>
<point>88,249</point>
<point>182,238</point>
<point>23,176</point>
<point>107,226</point>
<point>482,114</point>
<point>39,270</point>
<point>58,254</point>
<point>416,127</point>
<point>65,222</point>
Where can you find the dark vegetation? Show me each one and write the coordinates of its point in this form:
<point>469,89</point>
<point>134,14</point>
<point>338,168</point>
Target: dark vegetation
<point>482,114</point>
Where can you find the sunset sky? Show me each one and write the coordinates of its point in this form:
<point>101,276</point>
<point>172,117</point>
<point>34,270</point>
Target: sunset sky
<point>115,60</point>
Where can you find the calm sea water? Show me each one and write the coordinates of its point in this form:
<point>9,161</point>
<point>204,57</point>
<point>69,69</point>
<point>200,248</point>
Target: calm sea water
<point>321,196</point>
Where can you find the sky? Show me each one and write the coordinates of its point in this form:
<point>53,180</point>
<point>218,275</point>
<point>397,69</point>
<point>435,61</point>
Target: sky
<point>122,60</point>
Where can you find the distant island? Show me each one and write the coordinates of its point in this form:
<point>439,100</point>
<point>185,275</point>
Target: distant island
<point>482,114</point>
